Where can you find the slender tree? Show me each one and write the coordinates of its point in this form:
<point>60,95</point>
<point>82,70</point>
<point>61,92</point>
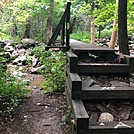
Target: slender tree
<point>27,31</point>
<point>114,31</point>
<point>92,36</point>
<point>49,22</point>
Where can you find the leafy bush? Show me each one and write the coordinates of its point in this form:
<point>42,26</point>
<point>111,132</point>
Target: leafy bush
<point>106,33</point>
<point>11,91</point>
<point>37,51</point>
<point>54,71</point>
<point>81,36</point>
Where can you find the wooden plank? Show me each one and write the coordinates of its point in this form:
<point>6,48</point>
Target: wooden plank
<point>80,115</point>
<point>68,88</point>
<point>103,94</point>
<point>81,46</point>
<point>103,68</point>
<point>131,75</point>
<point>58,47</point>
<point>91,49</point>
<point>105,131</point>
<point>72,60</point>
<point>68,24</point>
<point>75,81</point>
<point>114,124</point>
<point>107,89</point>
<point>130,61</point>
<point>109,128</point>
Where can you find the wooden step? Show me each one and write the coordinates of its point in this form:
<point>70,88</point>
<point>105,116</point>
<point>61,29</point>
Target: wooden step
<point>104,93</point>
<point>80,67</point>
<point>82,124</point>
<point>77,90</point>
<point>103,68</point>
<point>58,47</point>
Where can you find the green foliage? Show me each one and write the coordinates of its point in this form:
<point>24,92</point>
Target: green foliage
<point>54,71</point>
<point>68,115</point>
<point>104,14</point>
<point>18,11</point>
<point>11,90</point>
<point>81,36</point>
<point>105,33</point>
<point>4,36</point>
<point>38,51</point>
<point>130,20</point>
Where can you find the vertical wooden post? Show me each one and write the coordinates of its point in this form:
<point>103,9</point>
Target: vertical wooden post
<point>68,24</point>
<point>122,27</point>
<point>63,33</point>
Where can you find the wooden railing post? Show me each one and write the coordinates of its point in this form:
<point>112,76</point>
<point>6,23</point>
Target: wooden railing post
<point>63,34</point>
<point>68,24</point>
<point>63,23</point>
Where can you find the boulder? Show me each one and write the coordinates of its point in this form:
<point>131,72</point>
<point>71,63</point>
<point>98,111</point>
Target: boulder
<point>6,42</point>
<point>106,117</point>
<point>27,42</point>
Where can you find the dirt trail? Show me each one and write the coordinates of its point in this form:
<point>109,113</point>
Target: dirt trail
<point>39,113</point>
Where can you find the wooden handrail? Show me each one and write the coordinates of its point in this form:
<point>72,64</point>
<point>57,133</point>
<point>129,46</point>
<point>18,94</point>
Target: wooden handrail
<point>64,26</point>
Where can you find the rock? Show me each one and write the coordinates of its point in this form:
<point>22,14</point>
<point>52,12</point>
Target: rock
<point>18,74</point>
<point>111,108</point>
<point>34,87</point>
<point>93,117</point>
<point>63,119</point>
<point>131,84</point>
<point>27,82</point>
<point>35,61</point>
<point>106,117</point>
<point>124,112</point>
<point>19,59</point>
<point>119,84</point>
<point>101,108</point>
<point>27,42</point>
<point>87,81</point>
<point>17,52</point>
<point>7,41</point>
<point>35,70</point>
<point>9,48</point>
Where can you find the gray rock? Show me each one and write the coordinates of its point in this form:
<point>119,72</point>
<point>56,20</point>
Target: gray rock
<point>7,41</point>
<point>101,108</point>
<point>9,48</point>
<point>35,70</point>
<point>106,117</point>
<point>93,117</point>
<point>124,112</point>
<point>87,81</point>
<point>35,61</point>
<point>27,42</point>
<point>119,84</point>
<point>19,59</point>
<point>63,118</point>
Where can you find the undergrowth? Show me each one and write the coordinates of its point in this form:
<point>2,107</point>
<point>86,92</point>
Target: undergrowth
<point>11,90</point>
<point>54,72</point>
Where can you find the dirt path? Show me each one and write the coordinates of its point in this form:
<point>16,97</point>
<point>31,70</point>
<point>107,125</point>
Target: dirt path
<point>39,113</point>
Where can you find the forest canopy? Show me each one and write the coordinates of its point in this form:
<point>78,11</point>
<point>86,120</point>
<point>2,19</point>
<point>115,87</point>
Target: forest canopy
<point>16,16</point>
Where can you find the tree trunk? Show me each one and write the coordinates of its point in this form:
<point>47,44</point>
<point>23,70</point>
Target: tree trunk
<point>50,22</point>
<point>114,32</point>
<point>122,27</point>
<point>92,40</point>
<point>14,30</point>
<point>99,34</point>
<point>27,31</point>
